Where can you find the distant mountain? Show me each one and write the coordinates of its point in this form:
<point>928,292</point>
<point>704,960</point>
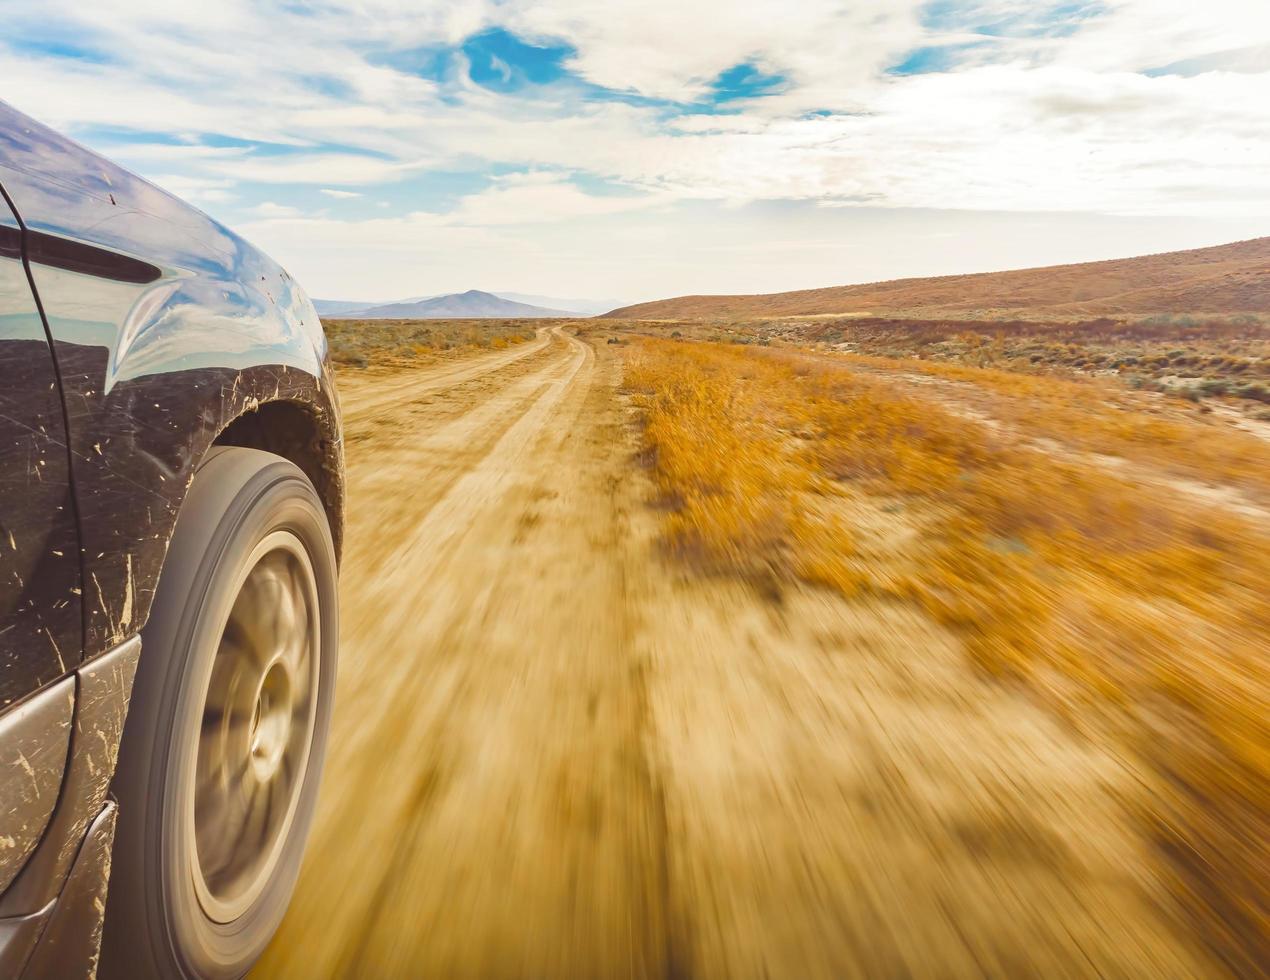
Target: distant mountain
<point>339,307</point>
<point>473,304</point>
<point>550,305</point>
<point>1220,280</point>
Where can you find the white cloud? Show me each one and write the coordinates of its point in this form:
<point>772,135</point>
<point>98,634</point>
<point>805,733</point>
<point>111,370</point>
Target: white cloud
<point>503,68</point>
<point>1037,117</point>
<point>200,190</point>
<point>318,168</point>
<point>672,49</point>
<point>1143,34</point>
<point>542,198</point>
<point>268,209</point>
<point>516,199</point>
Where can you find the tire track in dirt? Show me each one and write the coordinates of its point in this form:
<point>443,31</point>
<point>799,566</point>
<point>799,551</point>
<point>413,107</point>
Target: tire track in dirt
<point>389,390</point>
<point>487,808</point>
<point>436,455</point>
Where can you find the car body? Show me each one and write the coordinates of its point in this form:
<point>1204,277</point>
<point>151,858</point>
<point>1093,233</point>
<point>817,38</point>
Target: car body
<point>136,334</point>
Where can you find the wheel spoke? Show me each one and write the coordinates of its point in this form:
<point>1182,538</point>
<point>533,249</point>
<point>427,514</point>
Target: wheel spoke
<point>243,632</point>
<point>256,727</point>
<point>222,814</point>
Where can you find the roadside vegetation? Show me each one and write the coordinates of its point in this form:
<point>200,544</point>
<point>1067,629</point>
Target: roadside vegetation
<point>1093,415</point>
<point>362,343</point>
<point>1198,364</point>
<point>1077,543</point>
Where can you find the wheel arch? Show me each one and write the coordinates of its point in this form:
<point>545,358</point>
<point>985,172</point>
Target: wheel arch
<point>293,430</point>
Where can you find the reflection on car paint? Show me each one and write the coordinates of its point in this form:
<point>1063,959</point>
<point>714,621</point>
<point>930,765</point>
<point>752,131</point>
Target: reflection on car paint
<point>40,621</point>
<point>152,370</point>
<point>73,256</point>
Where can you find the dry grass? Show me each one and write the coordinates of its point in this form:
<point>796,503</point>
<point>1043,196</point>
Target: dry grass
<point>728,476</point>
<point>1201,362</point>
<point>1137,613</point>
<point>361,343</point>
<point>1097,415</point>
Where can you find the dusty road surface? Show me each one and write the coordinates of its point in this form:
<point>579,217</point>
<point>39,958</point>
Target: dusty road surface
<point>554,755</point>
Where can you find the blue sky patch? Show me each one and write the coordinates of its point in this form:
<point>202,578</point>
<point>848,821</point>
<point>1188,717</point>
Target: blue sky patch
<point>1050,19</point>
<point>496,59</point>
<point>744,81</point>
<point>504,62</point>
<point>433,62</point>
<point>501,61</point>
<point>54,47</point>
<point>436,191</point>
<point>331,87</point>
<point>934,58</point>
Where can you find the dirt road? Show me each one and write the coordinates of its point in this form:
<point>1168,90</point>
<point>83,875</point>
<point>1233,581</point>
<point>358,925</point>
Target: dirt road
<point>554,755</point>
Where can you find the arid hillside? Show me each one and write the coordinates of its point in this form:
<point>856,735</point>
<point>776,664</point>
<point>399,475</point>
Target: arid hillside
<point>1223,280</point>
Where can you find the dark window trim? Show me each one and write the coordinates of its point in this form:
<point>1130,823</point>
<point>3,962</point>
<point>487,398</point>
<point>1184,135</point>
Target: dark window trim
<point>10,242</point>
<point>65,253</point>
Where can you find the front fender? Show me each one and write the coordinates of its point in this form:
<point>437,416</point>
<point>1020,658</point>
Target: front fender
<point>166,327</point>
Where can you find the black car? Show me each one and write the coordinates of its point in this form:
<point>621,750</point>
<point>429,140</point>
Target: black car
<point>171,494</point>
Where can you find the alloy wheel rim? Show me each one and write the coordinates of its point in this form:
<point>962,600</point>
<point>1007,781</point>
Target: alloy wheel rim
<point>257,727</point>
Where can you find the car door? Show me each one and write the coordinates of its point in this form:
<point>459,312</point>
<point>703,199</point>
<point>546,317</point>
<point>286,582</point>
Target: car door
<point>165,328</point>
<point>41,619</point>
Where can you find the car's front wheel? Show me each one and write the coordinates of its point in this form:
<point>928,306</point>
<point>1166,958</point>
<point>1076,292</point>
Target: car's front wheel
<point>222,750</point>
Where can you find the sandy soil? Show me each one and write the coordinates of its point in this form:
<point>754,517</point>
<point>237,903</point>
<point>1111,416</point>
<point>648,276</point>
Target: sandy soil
<point>555,756</point>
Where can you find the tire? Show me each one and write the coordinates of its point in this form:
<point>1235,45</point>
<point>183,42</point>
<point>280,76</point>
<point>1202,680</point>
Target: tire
<point>223,746</point>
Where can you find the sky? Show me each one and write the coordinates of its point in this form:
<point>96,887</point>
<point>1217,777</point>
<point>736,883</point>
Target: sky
<point>635,149</point>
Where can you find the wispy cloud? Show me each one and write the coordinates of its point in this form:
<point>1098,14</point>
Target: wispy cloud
<point>563,111</point>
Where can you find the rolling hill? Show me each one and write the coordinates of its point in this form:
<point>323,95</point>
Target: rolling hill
<point>1223,279</point>
<point>473,304</point>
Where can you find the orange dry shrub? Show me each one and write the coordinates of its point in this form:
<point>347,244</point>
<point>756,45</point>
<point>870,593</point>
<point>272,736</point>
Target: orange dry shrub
<point>499,343</point>
<point>1095,415</point>
<point>724,471</point>
<point>1134,612</point>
